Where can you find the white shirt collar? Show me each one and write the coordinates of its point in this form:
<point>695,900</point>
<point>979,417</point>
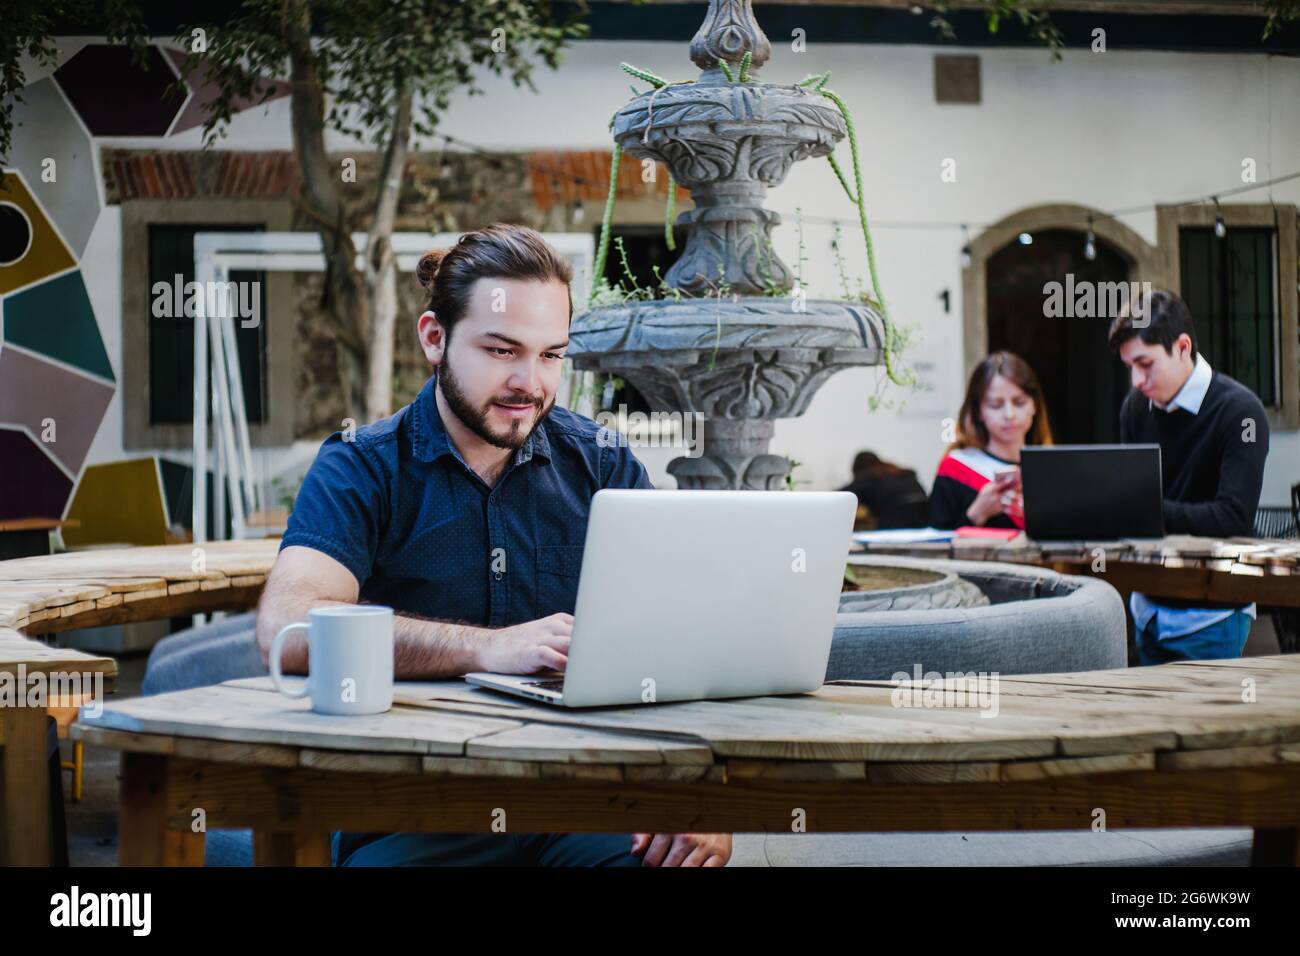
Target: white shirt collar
<point>1192,394</point>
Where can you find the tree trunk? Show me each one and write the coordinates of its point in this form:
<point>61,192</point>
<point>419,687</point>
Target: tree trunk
<point>346,307</point>
<point>381,267</point>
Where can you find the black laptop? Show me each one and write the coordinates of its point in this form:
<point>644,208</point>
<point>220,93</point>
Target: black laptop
<point>1092,492</point>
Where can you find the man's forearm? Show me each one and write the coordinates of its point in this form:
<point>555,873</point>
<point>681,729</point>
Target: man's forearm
<point>422,649</point>
<point>431,650</point>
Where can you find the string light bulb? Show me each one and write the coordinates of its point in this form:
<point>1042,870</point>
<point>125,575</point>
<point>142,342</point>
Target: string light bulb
<point>1220,227</point>
<point>1090,243</point>
<point>965,249</point>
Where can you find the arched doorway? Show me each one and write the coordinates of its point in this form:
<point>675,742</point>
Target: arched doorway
<point>1083,382</point>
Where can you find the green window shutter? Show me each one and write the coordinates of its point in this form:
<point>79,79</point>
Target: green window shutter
<point>1228,284</point>
<point>171,339</point>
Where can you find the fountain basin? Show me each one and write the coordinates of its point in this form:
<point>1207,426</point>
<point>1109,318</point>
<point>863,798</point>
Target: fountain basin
<point>752,357</point>
<point>1035,621</point>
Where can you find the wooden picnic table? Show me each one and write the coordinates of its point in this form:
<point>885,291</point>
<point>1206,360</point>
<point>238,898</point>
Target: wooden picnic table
<point>59,592</point>
<point>1174,745</point>
<point>49,593</point>
<point>1197,744</point>
<point>24,742</point>
<point>1216,571</point>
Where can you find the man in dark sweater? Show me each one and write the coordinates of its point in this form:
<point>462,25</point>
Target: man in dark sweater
<point>1213,437</point>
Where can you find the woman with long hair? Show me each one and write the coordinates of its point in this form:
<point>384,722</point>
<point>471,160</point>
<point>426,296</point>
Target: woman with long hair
<point>978,482</point>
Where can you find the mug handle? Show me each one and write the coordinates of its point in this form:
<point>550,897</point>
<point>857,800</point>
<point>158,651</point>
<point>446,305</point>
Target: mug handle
<point>277,676</point>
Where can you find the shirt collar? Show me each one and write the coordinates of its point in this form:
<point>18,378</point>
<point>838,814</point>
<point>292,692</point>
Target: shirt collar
<point>1192,394</point>
<point>430,441</point>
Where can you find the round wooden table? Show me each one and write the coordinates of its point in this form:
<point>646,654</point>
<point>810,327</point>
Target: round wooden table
<point>1207,743</point>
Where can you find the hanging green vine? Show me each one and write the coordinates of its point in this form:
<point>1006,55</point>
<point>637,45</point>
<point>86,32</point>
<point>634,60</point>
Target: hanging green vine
<point>602,249</point>
<point>668,214</point>
<point>892,340</point>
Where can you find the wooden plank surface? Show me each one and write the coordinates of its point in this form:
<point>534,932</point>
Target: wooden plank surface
<point>1040,718</point>
<point>162,606</point>
<point>245,716</point>
<point>173,562</point>
<point>101,586</point>
<point>16,649</point>
<point>305,800</point>
<point>550,744</point>
<point>24,787</point>
<point>1127,714</point>
<point>1235,570</point>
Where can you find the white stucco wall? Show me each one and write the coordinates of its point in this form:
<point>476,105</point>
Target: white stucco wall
<point>1107,131</point>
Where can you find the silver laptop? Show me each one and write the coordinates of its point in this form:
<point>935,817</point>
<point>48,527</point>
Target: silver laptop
<point>688,595</point>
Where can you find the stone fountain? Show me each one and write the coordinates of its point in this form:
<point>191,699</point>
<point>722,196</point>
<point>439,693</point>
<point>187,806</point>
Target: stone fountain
<point>759,352</point>
<point>744,359</point>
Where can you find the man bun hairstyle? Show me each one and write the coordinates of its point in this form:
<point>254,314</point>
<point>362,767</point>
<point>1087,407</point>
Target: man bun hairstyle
<point>1158,320</point>
<point>499,251</point>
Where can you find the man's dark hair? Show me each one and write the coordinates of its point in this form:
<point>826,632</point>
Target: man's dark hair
<point>498,251</point>
<point>1162,317</point>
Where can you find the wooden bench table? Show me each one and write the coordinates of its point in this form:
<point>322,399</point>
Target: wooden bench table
<point>24,742</point>
<point>1204,744</point>
<point>1186,567</point>
<point>49,593</point>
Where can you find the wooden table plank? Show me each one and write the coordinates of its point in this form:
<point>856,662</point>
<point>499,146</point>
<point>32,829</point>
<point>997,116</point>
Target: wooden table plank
<point>25,794</point>
<point>313,801</point>
<point>1231,571</point>
<point>551,744</point>
<point>234,714</point>
<point>1092,714</point>
<point>162,606</point>
<point>49,593</point>
<point>37,657</point>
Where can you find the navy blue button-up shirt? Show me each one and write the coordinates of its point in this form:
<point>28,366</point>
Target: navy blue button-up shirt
<point>399,508</point>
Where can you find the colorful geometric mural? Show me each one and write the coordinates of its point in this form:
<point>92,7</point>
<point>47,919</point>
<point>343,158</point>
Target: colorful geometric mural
<point>56,377</point>
<point>32,249</point>
<point>120,502</point>
<point>203,92</point>
<point>114,96</point>
<point>56,380</point>
<point>53,152</point>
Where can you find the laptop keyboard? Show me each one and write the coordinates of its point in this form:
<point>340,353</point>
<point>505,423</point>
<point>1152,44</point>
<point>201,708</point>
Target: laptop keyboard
<point>546,684</point>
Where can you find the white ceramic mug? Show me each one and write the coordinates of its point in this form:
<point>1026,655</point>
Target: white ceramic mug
<point>349,659</point>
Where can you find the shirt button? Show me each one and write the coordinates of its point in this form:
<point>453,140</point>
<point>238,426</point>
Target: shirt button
<point>498,575</point>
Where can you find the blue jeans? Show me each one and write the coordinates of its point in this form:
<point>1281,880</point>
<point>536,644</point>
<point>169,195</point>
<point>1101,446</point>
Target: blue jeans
<point>493,849</point>
<point>1227,638</point>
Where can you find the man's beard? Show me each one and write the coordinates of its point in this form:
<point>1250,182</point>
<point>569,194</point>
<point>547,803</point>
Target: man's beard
<point>476,419</point>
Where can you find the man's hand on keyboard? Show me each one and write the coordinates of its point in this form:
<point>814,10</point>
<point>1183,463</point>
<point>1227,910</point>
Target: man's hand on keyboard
<point>529,647</point>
